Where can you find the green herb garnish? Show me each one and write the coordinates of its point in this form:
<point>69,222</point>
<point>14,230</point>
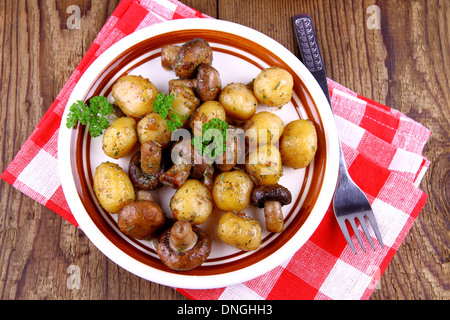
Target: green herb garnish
<point>278,84</point>
<point>92,114</point>
<point>212,142</point>
<point>162,105</point>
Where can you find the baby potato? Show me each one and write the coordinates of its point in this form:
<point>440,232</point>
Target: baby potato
<point>154,127</point>
<point>273,87</point>
<point>205,113</point>
<point>112,187</point>
<point>120,138</point>
<point>134,95</point>
<point>232,190</point>
<point>298,144</point>
<point>264,128</point>
<point>185,102</point>
<point>264,164</point>
<point>192,202</point>
<point>239,231</point>
<point>238,101</point>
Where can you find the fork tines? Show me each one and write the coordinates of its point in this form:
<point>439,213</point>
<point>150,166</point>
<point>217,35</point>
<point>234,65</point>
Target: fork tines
<point>352,220</point>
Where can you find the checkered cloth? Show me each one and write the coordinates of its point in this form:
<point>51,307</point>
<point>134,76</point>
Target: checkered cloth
<point>382,147</point>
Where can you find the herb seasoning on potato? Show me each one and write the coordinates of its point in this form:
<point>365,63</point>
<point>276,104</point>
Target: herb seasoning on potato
<point>120,138</point>
<point>192,202</point>
<point>273,87</point>
<point>239,231</point>
<point>134,95</point>
<point>232,190</point>
<point>298,145</point>
<point>112,187</point>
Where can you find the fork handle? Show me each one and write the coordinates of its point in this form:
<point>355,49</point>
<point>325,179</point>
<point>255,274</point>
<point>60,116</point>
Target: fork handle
<point>310,51</point>
<point>312,59</point>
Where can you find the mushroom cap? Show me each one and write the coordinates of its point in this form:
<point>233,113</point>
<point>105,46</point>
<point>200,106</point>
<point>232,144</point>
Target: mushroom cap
<point>270,192</point>
<point>186,260</point>
<point>191,55</point>
<point>209,84</point>
<point>141,219</point>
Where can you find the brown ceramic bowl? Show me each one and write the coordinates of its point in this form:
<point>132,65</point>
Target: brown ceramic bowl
<point>240,54</point>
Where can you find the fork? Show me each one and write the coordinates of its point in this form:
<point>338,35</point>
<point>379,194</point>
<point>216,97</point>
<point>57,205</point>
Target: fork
<point>349,202</point>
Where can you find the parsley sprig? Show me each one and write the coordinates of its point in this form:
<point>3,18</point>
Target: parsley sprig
<point>162,105</point>
<point>92,113</point>
<point>210,143</point>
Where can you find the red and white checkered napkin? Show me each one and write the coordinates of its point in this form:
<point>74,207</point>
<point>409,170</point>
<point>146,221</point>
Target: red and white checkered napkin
<point>382,147</point>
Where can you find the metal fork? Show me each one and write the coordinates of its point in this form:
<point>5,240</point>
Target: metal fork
<point>349,202</point>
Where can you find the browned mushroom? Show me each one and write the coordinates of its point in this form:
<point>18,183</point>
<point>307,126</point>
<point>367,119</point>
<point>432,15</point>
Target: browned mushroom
<point>207,84</point>
<point>186,59</point>
<point>151,153</point>
<point>188,162</point>
<point>184,247</point>
<point>146,166</point>
<point>141,219</point>
<point>202,168</point>
<point>169,55</point>
<point>272,197</point>
<point>235,150</point>
<point>177,175</point>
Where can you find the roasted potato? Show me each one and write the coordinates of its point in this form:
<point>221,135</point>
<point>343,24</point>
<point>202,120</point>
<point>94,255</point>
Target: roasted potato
<point>239,231</point>
<point>298,144</point>
<point>192,202</point>
<point>185,102</point>
<point>238,101</point>
<point>273,87</point>
<point>120,138</point>
<point>205,113</point>
<point>264,164</point>
<point>232,190</point>
<point>134,95</point>
<point>141,219</point>
<point>264,128</point>
<point>154,127</point>
<point>112,187</point>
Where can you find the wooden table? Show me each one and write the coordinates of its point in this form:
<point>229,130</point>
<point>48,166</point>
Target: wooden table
<point>403,62</point>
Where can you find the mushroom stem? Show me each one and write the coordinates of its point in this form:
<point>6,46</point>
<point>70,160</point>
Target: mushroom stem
<point>274,216</point>
<point>272,198</point>
<point>169,55</point>
<point>188,83</point>
<point>183,259</point>
<point>142,195</point>
<point>151,153</point>
<point>186,59</point>
<point>182,238</point>
<point>208,181</point>
<point>176,176</point>
<point>207,84</point>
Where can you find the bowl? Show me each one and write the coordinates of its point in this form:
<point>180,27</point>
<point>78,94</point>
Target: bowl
<point>240,53</point>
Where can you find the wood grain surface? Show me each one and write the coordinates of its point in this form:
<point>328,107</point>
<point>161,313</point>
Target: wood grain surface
<point>404,64</point>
